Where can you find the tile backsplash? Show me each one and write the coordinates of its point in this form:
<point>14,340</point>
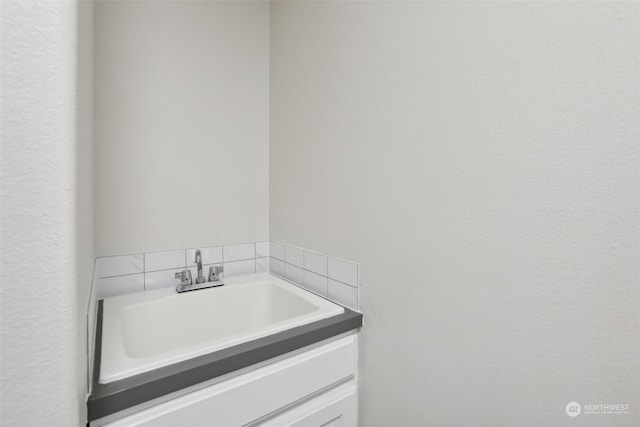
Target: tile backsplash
<point>123,274</point>
<point>330,277</point>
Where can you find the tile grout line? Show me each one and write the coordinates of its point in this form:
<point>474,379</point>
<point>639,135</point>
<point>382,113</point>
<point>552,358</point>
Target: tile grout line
<point>312,251</point>
<point>177,267</point>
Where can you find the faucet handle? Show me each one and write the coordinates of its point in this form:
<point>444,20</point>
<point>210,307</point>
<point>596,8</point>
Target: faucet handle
<point>184,276</point>
<point>214,273</point>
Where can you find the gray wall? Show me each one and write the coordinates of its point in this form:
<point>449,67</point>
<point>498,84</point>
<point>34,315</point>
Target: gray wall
<point>181,124</point>
<point>46,210</point>
<point>480,160</point>
<point>85,254</point>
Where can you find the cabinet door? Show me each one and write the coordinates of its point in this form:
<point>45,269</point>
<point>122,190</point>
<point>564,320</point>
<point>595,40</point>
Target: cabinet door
<point>336,407</point>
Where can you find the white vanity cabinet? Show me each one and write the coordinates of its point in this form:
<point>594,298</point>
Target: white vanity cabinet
<point>312,387</point>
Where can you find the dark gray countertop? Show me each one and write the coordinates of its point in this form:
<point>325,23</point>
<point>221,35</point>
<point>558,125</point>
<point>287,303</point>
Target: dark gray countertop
<point>110,398</point>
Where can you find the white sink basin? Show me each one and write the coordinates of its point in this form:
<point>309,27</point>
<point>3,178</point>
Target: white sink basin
<point>145,331</point>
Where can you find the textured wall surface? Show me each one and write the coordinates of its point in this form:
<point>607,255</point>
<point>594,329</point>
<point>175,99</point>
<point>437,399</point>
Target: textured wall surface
<point>40,362</point>
<point>85,255</point>
<point>182,124</point>
<point>480,161</point>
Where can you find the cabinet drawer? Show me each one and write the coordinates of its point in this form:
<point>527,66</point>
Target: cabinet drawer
<point>254,394</point>
<point>336,407</point>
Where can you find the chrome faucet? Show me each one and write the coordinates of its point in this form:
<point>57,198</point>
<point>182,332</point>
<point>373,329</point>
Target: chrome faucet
<point>201,282</point>
<point>200,279</point>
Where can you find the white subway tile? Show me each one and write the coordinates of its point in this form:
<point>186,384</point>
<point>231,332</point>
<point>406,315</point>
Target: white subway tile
<point>162,279</point>
<point>164,260</point>
<point>120,285</point>
<point>315,262</point>
<point>343,294</point>
<point>262,249</point>
<point>238,268</point>
<point>239,252</point>
<point>120,265</point>
<point>343,271</point>
<point>293,273</point>
<point>315,283</point>
<point>210,255</point>
<point>276,267</point>
<point>262,265</point>
<point>276,250</point>
<point>293,256</point>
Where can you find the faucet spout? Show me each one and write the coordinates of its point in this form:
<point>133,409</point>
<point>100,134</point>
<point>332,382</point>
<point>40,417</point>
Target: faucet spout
<point>200,278</point>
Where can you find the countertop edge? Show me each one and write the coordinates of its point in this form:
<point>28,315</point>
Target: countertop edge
<point>107,399</point>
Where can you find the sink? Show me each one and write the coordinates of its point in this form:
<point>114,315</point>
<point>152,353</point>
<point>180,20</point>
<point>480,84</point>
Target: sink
<point>149,330</point>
